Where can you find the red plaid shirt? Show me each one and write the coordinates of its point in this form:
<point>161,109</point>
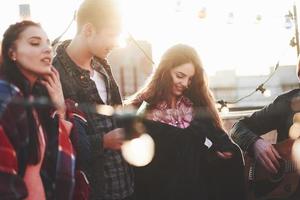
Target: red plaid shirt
<point>180,116</point>
<point>58,165</point>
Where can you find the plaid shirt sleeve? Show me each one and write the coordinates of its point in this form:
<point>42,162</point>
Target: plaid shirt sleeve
<point>12,185</point>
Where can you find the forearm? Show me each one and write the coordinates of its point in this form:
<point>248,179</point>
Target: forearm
<point>243,136</point>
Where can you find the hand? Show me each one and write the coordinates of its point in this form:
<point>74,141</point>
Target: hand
<point>267,155</point>
<point>224,155</point>
<point>52,83</point>
<point>114,139</point>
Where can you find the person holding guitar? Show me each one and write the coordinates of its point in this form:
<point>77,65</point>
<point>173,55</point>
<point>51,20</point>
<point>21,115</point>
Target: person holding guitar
<point>271,161</point>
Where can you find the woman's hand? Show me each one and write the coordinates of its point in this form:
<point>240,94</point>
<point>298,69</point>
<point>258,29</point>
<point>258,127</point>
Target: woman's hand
<point>52,83</point>
<point>224,155</point>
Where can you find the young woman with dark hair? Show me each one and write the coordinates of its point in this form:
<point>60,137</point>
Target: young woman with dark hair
<point>37,160</point>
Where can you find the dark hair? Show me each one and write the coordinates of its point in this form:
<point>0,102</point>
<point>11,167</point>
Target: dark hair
<point>11,73</point>
<point>8,43</point>
<point>100,13</point>
<point>157,87</point>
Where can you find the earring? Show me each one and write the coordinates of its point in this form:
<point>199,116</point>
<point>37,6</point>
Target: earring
<point>14,59</point>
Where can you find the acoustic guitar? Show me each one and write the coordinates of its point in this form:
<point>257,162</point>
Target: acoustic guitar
<point>264,185</point>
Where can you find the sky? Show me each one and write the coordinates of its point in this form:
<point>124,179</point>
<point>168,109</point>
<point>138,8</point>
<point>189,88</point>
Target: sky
<point>228,37</point>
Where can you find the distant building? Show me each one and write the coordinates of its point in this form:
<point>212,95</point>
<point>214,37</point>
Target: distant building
<point>131,67</point>
<point>228,86</point>
<point>24,11</point>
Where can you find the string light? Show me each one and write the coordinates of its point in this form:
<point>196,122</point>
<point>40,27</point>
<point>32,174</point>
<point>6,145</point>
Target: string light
<point>230,18</point>
<point>258,18</point>
<point>266,92</point>
<point>293,42</point>
<point>56,40</point>
<point>260,88</point>
<point>288,20</point>
<point>263,90</point>
<point>224,108</point>
<point>202,13</point>
<point>138,46</point>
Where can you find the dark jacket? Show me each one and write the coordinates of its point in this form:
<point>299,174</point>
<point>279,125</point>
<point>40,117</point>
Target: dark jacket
<point>78,86</point>
<point>184,168</point>
<point>276,116</point>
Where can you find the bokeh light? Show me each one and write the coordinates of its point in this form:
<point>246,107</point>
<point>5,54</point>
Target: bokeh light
<point>105,109</point>
<point>296,154</point>
<point>294,131</point>
<point>139,151</point>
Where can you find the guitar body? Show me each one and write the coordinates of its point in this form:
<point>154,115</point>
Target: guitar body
<point>264,185</point>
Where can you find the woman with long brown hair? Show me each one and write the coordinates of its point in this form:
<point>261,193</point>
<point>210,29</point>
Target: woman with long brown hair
<point>181,115</point>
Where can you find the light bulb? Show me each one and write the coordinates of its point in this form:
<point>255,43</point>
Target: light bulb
<point>258,18</point>
<point>202,13</point>
<point>288,20</point>
<point>267,93</point>
<point>230,18</point>
<point>225,110</point>
<point>138,151</point>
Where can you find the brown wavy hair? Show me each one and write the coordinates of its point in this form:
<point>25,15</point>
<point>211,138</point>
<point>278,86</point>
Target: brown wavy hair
<point>157,87</point>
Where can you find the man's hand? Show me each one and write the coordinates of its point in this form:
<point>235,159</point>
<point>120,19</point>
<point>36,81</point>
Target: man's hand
<point>114,139</point>
<point>267,155</point>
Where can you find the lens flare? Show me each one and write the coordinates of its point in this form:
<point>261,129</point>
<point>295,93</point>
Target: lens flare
<point>225,110</point>
<point>105,110</point>
<point>294,131</point>
<point>138,151</point>
<point>296,154</point>
<point>267,93</point>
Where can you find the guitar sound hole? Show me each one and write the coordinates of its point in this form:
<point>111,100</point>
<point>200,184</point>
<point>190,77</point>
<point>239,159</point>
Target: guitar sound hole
<point>280,174</point>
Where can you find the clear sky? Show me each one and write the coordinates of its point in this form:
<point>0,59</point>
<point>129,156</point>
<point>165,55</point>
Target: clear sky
<point>228,37</point>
